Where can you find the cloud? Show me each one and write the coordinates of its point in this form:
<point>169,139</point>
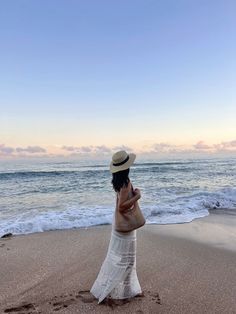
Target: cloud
<point>232,143</point>
<point>6,150</point>
<point>85,149</point>
<point>122,147</point>
<point>102,149</point>
<point>201,145</point>
<point>163,148</point>
<point>69,148</point>
<point>31,150</point>
<point>225,145</point>
<point>200,148</point>
<point>76,149</point>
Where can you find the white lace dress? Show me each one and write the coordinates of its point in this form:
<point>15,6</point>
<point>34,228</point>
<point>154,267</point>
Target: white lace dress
<point>118,277</point>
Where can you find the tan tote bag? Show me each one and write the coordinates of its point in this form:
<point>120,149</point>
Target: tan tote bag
<point>129,220</point>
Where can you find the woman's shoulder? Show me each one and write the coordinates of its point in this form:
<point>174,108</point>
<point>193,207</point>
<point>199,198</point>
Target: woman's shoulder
<point>126,187</point>
<point>125,190</point>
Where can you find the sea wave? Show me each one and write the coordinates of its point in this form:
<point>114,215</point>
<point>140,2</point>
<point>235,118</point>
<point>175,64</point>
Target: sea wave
<point>182,210</point>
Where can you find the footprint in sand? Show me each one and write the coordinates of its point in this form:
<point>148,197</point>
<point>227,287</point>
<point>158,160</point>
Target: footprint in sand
<point>85,296</point>
<point>28,308</point>
<point>155,297</point>
<point>64,300</point>
<point>4,245</point>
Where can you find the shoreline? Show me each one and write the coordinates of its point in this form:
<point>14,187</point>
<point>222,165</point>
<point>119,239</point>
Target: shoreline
<point>221,216</point>
<point>190,266</point>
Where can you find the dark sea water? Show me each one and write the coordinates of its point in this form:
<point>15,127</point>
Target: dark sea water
<point>45,195</point>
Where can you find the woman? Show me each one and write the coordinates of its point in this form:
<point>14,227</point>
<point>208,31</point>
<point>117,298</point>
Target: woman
<point>117,278</point>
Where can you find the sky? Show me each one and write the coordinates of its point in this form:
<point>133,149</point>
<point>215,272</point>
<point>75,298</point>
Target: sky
<point>91,77</point>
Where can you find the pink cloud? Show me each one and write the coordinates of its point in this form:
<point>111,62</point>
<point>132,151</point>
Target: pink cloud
<point>102,149</point>
<point>225,145</point>
<point>69,148</point>
<point>87,149</point>
<point>122,147</point>
<point>201,145</point>
<point>76,149</point>
<point>31,150</point>
<point>162,147</point>
<point>6,150</point>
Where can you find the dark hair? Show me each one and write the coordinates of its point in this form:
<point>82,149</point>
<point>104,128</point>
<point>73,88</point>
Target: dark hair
<point>120,179</point>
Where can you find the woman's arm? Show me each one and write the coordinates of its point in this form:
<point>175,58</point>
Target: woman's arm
<point>123,202</point>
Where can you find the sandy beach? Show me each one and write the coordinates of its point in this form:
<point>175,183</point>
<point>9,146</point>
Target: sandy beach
<point>182,268</point>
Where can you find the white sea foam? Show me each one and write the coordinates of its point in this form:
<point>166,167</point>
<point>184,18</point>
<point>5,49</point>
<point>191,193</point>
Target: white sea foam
<point>53,220</point>
<point>183,210</point>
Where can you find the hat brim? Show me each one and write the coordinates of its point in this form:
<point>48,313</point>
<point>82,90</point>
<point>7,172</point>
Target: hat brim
<point>125,166</point>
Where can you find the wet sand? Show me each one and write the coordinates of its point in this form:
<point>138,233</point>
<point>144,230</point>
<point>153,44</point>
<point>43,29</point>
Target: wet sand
<point>184,268</point>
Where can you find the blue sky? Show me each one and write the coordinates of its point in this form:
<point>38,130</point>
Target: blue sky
<point>136,73</point>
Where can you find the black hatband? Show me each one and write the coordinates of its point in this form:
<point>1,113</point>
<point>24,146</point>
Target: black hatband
<point>121,163</point>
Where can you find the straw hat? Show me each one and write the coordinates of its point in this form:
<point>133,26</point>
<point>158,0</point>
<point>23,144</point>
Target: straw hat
<point>121,161</point>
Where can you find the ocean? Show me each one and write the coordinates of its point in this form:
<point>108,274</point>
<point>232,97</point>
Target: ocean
<point>39,195</point>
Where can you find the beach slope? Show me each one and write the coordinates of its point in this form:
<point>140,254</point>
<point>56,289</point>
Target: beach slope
<point>185,268</point>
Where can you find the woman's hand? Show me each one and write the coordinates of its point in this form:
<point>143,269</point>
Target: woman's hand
<point>137,192</point>
<point>124,202</point>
